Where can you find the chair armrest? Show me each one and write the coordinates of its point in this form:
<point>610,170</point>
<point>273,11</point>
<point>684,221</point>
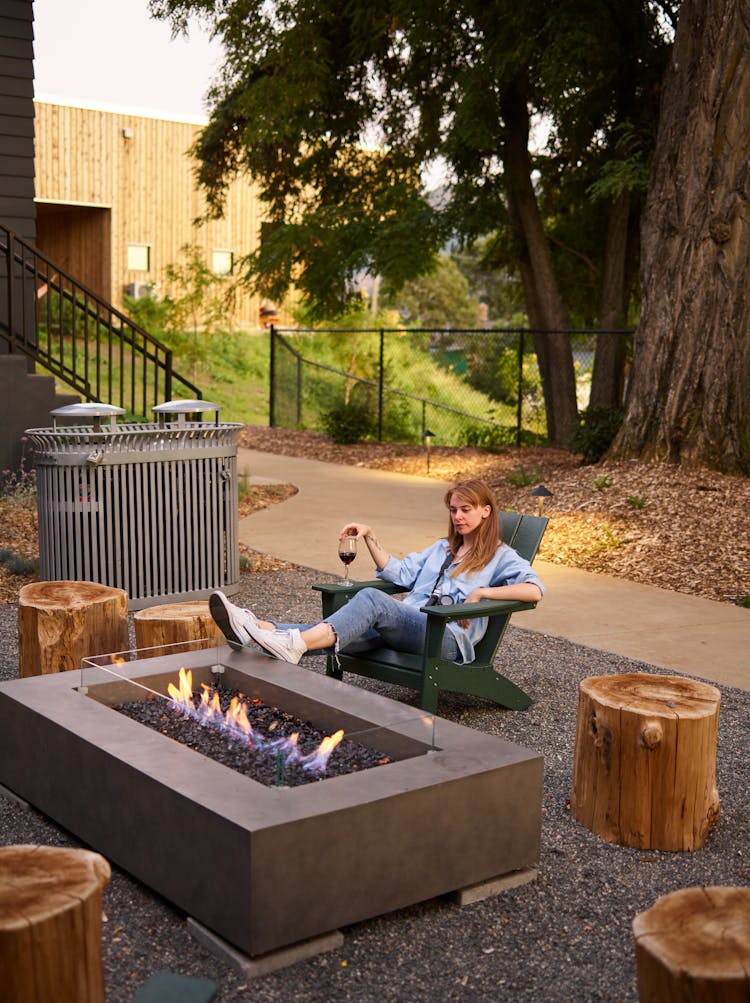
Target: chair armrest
<point>473,610</point>
<point>438,617</point>
<point>334,595</point>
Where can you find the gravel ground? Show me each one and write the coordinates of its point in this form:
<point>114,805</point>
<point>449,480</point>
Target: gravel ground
<point>566,936</point>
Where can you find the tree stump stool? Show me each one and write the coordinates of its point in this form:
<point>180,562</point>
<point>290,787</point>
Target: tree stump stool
<point>51,924</point>
<point>188,623</point>
<point>693,946</point>
<point>644,772</point>
<point>59,623</point>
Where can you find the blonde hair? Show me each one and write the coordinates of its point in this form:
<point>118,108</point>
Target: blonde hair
<point>487,540</point>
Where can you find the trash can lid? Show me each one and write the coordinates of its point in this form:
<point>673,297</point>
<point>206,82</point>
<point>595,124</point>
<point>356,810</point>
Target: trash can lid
<point>90,410</point>
<point>184,407</point>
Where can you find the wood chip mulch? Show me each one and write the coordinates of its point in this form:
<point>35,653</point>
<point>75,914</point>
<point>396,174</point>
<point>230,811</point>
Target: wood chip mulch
<point>678,528</point>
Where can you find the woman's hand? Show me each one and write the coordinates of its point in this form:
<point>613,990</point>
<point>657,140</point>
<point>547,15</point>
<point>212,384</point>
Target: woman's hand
<point>360,530</point>
<point>363,532</point>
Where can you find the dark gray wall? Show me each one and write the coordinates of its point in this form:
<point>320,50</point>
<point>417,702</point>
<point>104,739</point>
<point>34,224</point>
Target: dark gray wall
<point>17,117</point>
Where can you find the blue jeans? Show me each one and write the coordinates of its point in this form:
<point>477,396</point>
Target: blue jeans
<point>373,619</point>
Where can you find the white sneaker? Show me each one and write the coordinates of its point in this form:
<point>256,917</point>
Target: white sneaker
<point>233,621</point>
<point>284,644</point>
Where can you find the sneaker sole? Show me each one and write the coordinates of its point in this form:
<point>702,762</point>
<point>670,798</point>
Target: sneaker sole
<point>220,616</point>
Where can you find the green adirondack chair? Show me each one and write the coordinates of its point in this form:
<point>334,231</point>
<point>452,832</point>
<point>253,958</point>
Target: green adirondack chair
<point>428,672</point>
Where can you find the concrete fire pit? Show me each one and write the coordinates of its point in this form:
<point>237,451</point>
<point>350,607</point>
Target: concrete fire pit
<point>265,867</point>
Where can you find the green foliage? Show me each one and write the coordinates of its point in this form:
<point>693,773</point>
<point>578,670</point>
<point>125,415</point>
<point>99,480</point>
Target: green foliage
<point>596,432</point>
<point>496,373</point>
<point>744,602</point>
<point>17,564</point>
<point>522,478</point>
<point>493,438</point>
<point>194,300</point>
<point>336,114</point>
<point>195,297</point>
<point>149,312</point>
<point>637,501</point>
<point>348,423</point>
<point>602,483</point>
<point>438,299</point>
<point>493,280</point>
<point>611,541</point>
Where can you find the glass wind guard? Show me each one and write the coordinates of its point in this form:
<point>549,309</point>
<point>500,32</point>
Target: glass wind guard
<point>203,706</point>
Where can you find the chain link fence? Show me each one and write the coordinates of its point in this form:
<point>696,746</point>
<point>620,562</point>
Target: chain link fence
<point>464,387</point>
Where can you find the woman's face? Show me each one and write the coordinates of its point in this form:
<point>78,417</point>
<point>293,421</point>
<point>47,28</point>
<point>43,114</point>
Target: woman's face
<point>466,518</point>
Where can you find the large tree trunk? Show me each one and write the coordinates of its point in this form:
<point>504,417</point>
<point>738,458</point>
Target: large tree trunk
<point>689,393</point>
<point>607,382</point>
<point>542,296</point>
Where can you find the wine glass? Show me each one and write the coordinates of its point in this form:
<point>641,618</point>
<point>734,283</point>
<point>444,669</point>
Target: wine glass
<point>347,553</point>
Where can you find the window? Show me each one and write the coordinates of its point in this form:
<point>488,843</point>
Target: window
<point>222,262</point>
<point>139,257</point>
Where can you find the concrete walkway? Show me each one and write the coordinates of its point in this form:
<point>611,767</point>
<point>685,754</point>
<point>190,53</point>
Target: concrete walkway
<point>698,637</point>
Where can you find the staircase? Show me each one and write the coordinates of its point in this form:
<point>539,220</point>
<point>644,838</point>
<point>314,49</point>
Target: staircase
<point>50,321</point>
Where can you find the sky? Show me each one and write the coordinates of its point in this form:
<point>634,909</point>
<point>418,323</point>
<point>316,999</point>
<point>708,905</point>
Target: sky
<point>112,54</point>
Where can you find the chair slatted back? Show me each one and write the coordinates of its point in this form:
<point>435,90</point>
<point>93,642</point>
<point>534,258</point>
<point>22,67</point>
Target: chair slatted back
<point>525,541</point>
<point>509,523</point>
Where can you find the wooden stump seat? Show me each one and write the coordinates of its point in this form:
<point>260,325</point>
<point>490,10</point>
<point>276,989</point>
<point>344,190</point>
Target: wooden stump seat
<point>174,623</point>
<point>59,623</point>
<point>693,946</point>
<point>51,924</point>
<point>644,771</point>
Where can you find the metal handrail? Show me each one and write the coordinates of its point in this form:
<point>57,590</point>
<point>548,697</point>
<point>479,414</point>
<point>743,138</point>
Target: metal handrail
<point>77,336</point>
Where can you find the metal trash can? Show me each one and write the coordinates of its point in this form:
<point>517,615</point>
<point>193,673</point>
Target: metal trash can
<point>150,508</point>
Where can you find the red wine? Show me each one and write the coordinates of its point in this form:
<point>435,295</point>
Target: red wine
<point>347,558</point>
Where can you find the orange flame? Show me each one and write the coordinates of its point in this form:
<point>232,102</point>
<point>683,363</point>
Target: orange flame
<point>184,695</point>
<point>236,718</point>
<point>329,744</point>
<point>236,721</point>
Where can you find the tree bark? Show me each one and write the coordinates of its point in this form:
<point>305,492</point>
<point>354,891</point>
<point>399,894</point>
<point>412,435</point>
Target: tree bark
<point>51,924</point>
<point>608,379</point>
<point>644,771</point>
<point>693,946</point>
<point>59,623</point>
<point>689,392</point>
<point>540,285</point>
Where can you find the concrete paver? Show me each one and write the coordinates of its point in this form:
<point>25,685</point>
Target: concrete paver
<point>698,637</point>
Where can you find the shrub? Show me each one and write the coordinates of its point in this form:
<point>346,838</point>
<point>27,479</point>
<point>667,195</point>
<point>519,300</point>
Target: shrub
<point>17,564</point>
<point>348,423</point>
<point>490,437</point>
<point>598,427</point>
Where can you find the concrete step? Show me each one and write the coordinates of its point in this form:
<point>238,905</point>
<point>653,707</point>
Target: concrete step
<point>26,400</point>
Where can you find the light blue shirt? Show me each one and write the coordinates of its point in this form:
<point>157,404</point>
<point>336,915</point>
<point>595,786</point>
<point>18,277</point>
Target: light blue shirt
<point>418,573</point>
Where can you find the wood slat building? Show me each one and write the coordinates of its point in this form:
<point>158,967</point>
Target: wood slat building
<point>117,200</point>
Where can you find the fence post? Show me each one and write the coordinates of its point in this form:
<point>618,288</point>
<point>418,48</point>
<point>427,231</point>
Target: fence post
<point>272,376</point>
<point>519,416</point>
<point>11,277</point>
<point>167,375</point>
<point>380,388</point>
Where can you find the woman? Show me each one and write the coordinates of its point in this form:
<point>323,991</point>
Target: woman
<point>470,564</point>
